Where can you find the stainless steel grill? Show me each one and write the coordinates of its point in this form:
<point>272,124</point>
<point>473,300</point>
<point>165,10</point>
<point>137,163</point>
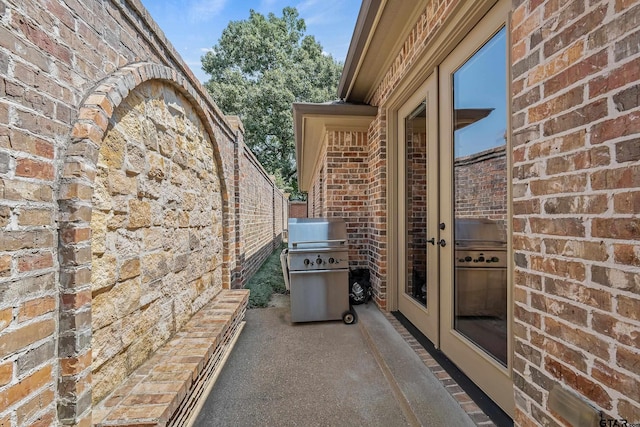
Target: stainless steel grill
<point>318,270</point>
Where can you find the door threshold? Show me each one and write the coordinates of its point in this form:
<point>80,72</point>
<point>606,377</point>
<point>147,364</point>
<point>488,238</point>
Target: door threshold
<point>492,410</point>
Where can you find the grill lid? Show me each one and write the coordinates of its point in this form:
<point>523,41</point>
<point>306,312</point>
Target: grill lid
<point>316,232</point>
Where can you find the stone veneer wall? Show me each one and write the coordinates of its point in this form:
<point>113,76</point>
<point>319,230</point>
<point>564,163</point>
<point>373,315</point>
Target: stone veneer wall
<point>157,239</point>
<point>70,72</point>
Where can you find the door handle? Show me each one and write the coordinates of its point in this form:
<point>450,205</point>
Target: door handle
<point>442,243</point>
<point>432,241</point>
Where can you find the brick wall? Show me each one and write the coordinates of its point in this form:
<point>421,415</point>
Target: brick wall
<point>576,67</point>
<point>298,209</point>
<point>575,157</point>
<point>66,68</point>
<point>347,188</point>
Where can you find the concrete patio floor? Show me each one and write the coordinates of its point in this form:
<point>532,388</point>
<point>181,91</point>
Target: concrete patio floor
<point>330,374</point>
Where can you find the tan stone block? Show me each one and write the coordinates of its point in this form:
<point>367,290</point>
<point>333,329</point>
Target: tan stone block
<point>98,232</point>
<point>183,219</point>
<point>120,183</point>
<point>105,343</point>
<point>116,221</point>
<point>152,238</point>
<point>189,201</point>
<point>154,266</point>
<point>134,160</point>
<point>139,214</point>
<point>156,167</point>
<point>112,150</point>
<point>166,145</point>
<point>130,268</point>
<point>108,377</point>
<point>103,271</point>
<point>101,198</point>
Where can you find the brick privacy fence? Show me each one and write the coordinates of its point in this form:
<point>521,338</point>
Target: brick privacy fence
<point>109,147</point>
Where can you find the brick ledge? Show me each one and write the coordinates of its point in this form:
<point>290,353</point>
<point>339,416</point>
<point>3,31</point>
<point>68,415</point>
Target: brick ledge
<point>162,390</point>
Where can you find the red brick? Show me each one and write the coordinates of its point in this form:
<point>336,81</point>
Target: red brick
<point>75,235</point>
<point>35,405</point>
<point>615,79</point>
<point>75,365</point>
<point>31,144</point>
<point>580,383</point>
<point>559,184</point>
<point>628,124</point>
<point>627,203</point>
<point>616,228</point>
<point>581,293</point>
<point>612,179</point>
<point>75,300</point>
<point>36,307</point>
<point>22,337</point>
<point>5,265</point>
<point>625,384</point>
<point>25,387</point>
<point>626,254</point>
<point>589,66</point>
<point>580,338</point>
<point>553,106</point>
<point>35,262</point>
<point>628,359</point>
<point>29,168</point>
<point>613,328</point>
<point>6,373</point>
<point>6,316</point>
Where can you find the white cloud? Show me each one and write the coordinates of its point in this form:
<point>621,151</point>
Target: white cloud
<point>202,10</point>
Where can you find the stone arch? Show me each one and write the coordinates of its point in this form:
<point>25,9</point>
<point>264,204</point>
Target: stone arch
<point>75,193</point>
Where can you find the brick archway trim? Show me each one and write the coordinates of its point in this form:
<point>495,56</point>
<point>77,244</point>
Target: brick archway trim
<point>75,192</point>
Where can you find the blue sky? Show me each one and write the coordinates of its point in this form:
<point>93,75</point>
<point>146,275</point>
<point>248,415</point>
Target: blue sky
<point>193,26</point>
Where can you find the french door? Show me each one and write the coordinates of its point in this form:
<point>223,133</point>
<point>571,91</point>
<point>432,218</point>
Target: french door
<point>454,178</point>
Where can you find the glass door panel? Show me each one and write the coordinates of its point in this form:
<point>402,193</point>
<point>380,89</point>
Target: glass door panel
<point>418,209</point>
<point>480,198</point>
<point>416,204</point>
<point>474,201</point>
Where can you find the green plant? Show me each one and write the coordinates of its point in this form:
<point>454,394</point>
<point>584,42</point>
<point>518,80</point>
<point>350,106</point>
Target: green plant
<point>267,280</point>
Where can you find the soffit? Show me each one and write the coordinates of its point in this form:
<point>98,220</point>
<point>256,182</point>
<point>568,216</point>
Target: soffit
<point>310,125</point>
<point>381,29</point>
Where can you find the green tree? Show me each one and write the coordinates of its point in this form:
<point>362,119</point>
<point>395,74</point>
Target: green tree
<point>259,67</point>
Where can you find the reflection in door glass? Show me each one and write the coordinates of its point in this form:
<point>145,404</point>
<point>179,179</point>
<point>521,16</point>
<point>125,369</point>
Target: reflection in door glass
<point>480,206</point>
<point>416,204</point>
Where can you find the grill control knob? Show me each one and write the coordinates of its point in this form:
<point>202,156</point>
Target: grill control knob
<point>306,261</point>
<point>480,259</point>
<point>495,259</point>
<point>318,261</point>
<point>467,258</point>
<point>331,260</point>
